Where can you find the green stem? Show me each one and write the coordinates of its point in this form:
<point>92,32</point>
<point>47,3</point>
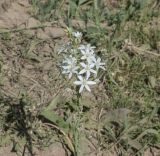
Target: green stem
<point>77,124</point>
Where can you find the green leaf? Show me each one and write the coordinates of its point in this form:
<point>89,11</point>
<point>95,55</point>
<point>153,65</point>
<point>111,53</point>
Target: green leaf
<point>53,103</point>
<point>72,8</point>
<point>49,114</point>
<point>56,119</point>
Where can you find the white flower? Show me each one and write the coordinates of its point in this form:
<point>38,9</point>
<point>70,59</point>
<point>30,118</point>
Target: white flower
<point>70,60</point>
<point>99,64</point>
<point>77,34</point>
<point>87,69</point>
<point>70,66</point>
<point>84,83</point>
<point>70,69</point>
<point>87,48</point>
<point>87,52</point>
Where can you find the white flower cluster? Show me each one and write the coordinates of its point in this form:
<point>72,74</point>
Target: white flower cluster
<point>81,61</point>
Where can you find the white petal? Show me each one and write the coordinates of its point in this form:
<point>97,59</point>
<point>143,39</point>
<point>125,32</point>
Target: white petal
<point>81,88</point>
<point>83,64</point>
<point>91,82</point>
<point>70,75</point>
<point>77,82</point>
<point>93,71</point>
<point>65,67</point>
<point>81,46</point>
<point>82,71</point>
<point>99,59</point>
<point>91,65</point>
<point>82,51</point>
<point>87,87</point>
<point>102,64</point>
<point>83,57</point>
<point>76,67</point>
<point>102,67</point>
<point>94,59</point>
<point>88,74</point>
<point>89,59</point>
<point>80,78</point>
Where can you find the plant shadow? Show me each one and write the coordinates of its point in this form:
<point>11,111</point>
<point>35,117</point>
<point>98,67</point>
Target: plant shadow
<point>18,120</point>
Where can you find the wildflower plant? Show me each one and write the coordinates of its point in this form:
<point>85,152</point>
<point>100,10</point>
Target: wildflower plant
<point>80,61</point>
